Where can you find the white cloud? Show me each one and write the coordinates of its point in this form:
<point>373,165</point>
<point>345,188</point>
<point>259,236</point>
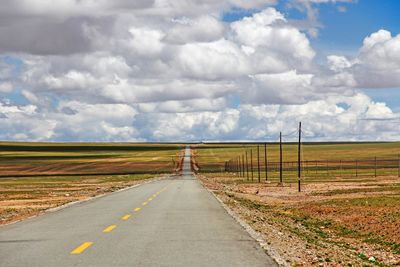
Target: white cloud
<point>172,70</point>
<point>376,66</point>
<point>213,60</point>
<point>276,44</point>
<point>338,63</point>
<point>288,87</point>
<point>201,29</point>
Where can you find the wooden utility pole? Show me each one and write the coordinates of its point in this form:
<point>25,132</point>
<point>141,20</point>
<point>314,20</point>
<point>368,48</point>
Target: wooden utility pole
<point>265,162</point>
<point>280,159</point>
<point>299,159</point>
<point>258,163</point>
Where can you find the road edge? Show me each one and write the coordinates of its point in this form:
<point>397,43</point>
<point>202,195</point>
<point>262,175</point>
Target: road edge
<point>270,251</point>
<point>73,203</point>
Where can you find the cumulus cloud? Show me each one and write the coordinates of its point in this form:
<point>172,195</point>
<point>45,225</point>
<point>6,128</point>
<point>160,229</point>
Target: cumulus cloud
<point>173,70</point>
<point>377,64</point>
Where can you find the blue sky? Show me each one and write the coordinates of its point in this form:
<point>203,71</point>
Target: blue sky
<point>343,32</point>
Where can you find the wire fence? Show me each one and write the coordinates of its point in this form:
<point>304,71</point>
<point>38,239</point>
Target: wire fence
<point>311,171</point>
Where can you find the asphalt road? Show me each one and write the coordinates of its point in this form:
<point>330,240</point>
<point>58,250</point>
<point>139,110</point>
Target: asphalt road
<point>172,222</point>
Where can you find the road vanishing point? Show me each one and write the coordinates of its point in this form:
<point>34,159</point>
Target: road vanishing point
<point>169,222</point>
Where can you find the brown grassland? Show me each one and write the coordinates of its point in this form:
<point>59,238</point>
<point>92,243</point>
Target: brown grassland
<point>37,176</point>
<point>339,219</point>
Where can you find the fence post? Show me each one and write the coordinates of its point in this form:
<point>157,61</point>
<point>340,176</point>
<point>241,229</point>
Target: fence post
<point>251,164</point>
<point>258,163</point>
<point>247,167</point>
<point>375,166</point>
<point>265,162</point>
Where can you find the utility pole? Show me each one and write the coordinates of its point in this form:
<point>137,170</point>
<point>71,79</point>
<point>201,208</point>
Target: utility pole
<point>299,159</point>
<point>280,158</point>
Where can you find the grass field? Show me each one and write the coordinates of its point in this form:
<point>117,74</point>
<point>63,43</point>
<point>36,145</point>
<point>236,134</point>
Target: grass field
<point>320,161</point>
<point>31,159</point>
<point>37,176</point>
<point>339,219</point>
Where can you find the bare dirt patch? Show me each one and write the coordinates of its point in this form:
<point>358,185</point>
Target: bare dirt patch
<point>328,224</point>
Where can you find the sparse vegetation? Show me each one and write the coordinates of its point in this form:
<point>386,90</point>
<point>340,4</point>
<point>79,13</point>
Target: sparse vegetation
<point>333,222</point>
<point>38,176</point>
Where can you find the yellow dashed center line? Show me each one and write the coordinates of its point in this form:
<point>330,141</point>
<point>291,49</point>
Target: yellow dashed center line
<point>86,245</point>
<point>81,248</point>
<point>109,228</point>
<point>126,217</point>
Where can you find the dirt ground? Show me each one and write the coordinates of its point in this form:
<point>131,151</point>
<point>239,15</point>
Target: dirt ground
<point>21,198</point>
<point>337,223</point>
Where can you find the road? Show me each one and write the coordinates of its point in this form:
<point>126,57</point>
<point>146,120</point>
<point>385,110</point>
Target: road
<point>171,222</point>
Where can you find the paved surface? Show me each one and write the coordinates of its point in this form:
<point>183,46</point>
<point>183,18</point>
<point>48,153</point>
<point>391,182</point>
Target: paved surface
<point>174,222</point>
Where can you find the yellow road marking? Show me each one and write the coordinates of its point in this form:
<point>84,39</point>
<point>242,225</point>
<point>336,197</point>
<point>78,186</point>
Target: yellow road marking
<point>137,209</point>
<point>109,228</point>
<point>150,199</point>
<point>126,217</point>
<point>144,203</point>
<point>154,195</point>
<point>81,248</point>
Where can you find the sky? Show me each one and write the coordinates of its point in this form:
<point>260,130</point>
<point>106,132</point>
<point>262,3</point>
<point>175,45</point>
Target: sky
<point>199,70</point>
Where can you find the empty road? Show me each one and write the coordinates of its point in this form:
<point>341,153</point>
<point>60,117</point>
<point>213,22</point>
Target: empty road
<point>171,222</point>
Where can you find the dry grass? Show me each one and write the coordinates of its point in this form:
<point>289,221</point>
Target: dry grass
<point>336,225</point>
<point>333,222</point>
<point>37,176</point>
